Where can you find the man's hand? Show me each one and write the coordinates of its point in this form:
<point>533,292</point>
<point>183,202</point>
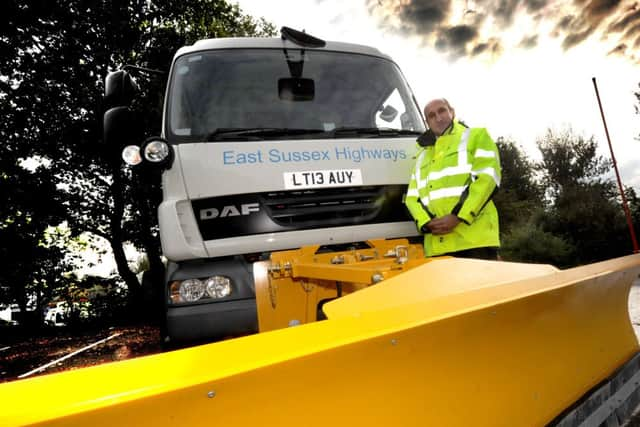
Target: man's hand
<point>443,225</point>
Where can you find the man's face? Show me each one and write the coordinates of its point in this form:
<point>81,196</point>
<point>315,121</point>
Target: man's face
<point>439,116</point>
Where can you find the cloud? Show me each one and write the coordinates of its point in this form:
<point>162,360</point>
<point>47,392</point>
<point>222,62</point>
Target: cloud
<point>621,49</point>
<point>424,16</point>
<point>529,42</point>
<point>576,37</point>
<point>629,17</point>
<point>455,38</point>
<point>491,46</point>
<point>533,6</point>
<point>489,27</point>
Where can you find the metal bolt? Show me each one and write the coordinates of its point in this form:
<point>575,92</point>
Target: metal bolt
<point>377,278</point>
<point>274,268</point>
<point>211,394</point>
<point>402,254</point>
<point>394,341</point>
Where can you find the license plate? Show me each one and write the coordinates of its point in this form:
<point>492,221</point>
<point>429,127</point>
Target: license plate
<point>322,179</point>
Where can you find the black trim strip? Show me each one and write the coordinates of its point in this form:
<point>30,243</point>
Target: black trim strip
<point>426,209</point>
<point>463,198</point>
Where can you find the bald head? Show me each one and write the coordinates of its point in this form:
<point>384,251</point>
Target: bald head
<point>439,115</point>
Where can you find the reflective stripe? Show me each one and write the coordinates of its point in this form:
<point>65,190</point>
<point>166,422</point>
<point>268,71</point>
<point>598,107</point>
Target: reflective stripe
<point>418,165</point>
<point>485,153</point>
<point>413,192</point>
<point>488,171</point>
<point>447,192</point>
<point>453,170</point>
<point>463,166</point>
<point>462,149</point>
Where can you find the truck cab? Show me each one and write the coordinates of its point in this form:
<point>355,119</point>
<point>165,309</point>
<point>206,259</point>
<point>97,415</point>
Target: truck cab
<point>269,145</point>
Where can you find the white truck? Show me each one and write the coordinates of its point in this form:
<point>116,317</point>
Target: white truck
<point>270,144</point>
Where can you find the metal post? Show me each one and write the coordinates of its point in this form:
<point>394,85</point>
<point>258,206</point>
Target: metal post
<point>615,167</point>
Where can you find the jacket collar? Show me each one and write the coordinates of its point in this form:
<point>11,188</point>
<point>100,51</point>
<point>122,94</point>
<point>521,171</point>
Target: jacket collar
<point>456,126</point>
<point>449,129</point>
<point>429,138</point>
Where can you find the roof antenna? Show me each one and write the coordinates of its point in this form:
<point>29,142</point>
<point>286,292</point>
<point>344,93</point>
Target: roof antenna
<point>301,38</point>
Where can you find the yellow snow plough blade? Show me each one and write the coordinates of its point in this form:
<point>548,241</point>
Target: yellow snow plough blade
<point>450,342</point>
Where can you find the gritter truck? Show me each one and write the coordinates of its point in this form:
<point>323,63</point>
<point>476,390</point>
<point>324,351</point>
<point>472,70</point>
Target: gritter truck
<point>270,144</point>
<point>284,165</point>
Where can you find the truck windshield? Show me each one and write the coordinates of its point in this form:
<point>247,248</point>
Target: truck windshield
<point>238,94</point>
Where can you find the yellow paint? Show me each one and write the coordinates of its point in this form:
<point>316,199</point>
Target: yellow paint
<point>432,346</point>
<point>294,284</point>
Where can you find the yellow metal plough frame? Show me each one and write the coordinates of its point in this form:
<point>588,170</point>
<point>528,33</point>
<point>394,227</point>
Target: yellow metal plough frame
<point>447,342</point>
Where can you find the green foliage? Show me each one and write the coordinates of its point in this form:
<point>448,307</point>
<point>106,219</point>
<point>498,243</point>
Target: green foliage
<point>634,207</point>
<point>584,210</point>
<point>564,210</point>
<point>107,301</point>
<point>30,204</point>
<point>55,56</point>
<point>519,194</point>
<point>530,243</point>
<point>569,161</point>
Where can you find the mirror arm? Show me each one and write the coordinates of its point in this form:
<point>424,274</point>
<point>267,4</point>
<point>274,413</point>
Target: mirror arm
<point>144,70</point>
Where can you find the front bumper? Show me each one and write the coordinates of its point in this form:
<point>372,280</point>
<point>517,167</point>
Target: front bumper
<point>212,321</point>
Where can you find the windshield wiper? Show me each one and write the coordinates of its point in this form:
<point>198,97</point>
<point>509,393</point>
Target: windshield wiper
<point>370,132</point>
<point>257,134</point>
<point>254,134</point>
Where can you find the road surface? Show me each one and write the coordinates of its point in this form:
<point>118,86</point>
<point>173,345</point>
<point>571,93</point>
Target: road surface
<point>634,306</point>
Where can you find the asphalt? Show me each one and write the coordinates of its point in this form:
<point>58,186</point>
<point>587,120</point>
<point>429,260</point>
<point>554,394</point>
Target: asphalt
<point>634,315</point>
<point>634,306</point>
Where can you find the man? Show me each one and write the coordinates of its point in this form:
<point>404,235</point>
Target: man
<point>456,173</point>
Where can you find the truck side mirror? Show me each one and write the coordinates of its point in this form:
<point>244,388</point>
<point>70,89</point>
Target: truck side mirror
<point>120,127</point>
<point>119,89</point>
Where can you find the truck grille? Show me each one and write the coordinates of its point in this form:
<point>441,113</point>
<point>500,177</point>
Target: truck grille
<point>280,211</point>
<point>326,206</point>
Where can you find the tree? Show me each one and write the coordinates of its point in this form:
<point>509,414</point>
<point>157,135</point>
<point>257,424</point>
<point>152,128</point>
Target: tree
<point>54,58</point>
<point>519,194</point>
<point>584,209</point>
<point>30,203</point>
<point>530,243</point>
<point>634,207</point>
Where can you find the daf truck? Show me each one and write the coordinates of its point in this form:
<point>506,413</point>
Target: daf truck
<point>269,144</point>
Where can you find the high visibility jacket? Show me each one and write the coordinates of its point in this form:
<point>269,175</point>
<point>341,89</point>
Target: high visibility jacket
<point>458,174</point>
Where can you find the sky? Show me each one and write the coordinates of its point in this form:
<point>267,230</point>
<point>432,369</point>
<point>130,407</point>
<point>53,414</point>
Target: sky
<point>516,67</point>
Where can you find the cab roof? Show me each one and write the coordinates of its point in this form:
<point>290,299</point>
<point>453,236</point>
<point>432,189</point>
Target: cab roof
<point>275,43</point>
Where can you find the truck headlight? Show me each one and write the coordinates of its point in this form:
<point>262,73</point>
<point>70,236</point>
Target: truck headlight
<point>131,155</point>
<point>192,290</point>
<point>156,151</point>
<point>218,286</point>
